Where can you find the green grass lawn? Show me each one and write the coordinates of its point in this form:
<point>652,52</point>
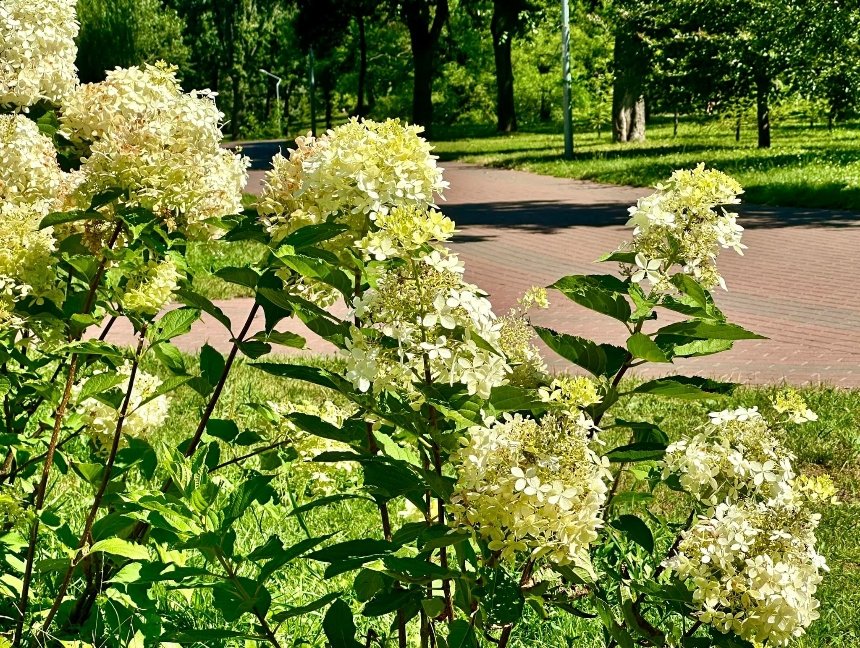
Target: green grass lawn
<point>831,444</point>
<point>806,166</point>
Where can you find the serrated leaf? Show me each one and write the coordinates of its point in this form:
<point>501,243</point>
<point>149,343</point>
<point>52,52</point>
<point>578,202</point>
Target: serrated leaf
<point>601,293</point>
<point>702,330</point>
<point>634,452</point>
<point>120,547</point>
<point>60,218</point>
<point>289,613</point>
<point>99,383</point>
<point>195,300</point>
<point>597,359</point>
<point>172,324</point>
<point>685,388</point>
<point>641,346</point>
<point>240,276</point>
<point>339,626</point>
<point>636,530</point>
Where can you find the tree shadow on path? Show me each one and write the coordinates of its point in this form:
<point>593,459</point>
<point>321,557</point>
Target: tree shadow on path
<point>547,217</point>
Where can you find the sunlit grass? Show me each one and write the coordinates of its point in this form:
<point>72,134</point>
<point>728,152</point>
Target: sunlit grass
<point>805,167</point>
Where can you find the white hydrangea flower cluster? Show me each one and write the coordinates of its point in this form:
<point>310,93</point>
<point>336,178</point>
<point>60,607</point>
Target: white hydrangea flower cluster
<point>529,485</point>
<point>440,325</point>
<point>753,570</point>
<point>735,455</point>
<point>354,173</point>
<point>37,51</point>
<point>683,223</point>
<point>321,477</point>
<point>161,146</point>
<point>517,337</point>
<point>142,417</point>
<point>150,287</point>
<point>791,404</point>
<point>31,183</point>
<point>402,230</point>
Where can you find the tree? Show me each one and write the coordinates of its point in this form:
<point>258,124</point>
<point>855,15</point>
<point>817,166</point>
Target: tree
<point>631,69</point>
<point>122,33</point>
<point>425,20</point>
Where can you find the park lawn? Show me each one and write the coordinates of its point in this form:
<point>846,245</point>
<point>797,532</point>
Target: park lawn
<point>805,167</point>
<point>831,444</point>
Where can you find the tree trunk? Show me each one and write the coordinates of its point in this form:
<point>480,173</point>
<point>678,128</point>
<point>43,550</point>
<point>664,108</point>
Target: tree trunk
<point>502,27</point>
<point>762,87</point>
<point>360,104</point>
<point>738,129</point>
<point>327,101</point>
<point>675,125</point>
<point>628,99</point>
<point>424,33</point>
<point>236,113</point>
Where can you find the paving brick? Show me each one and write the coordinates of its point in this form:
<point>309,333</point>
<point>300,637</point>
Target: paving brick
<point>516,229</point>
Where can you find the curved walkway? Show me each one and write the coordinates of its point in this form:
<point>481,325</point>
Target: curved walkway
<point>795,284</point>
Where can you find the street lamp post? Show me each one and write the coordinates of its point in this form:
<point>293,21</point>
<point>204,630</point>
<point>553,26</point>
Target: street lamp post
<point>312,92</point>
<point>565,72</point>
<point>277,96</point>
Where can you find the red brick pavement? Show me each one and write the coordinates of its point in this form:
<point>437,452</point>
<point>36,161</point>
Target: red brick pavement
<point>515,229</point>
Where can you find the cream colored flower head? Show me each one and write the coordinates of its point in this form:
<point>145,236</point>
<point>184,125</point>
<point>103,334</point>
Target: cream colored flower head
<point>161,146</point>
<point>37,51</point>
<point>353,173</point>
<point>753,570</point>
<point>144,415</point>
<point>684,224</point>
<point>532,486</point>
<point>29,172</point>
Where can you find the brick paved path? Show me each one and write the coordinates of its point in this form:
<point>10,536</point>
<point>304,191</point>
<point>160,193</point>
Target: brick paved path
<point>795,284</point>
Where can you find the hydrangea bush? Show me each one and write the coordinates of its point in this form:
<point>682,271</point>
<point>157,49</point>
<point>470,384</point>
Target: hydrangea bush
<point>496,484</point>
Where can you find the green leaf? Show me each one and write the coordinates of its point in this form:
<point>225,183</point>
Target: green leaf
<point>601,293</point>
<point>635,452</point>
<point>618,633</point>
<point>172,324</point>
<point>684,347</point>
<point>313,234</point>
<point>169,356</point>
<point>598,360</point>
<point>366,549</point>
<point>120,547</point>
<point>415,570</point>
<point>620,257</point>
<point>387,602</point>
<point>643,431</point>
<point>212,364</point>
<point>367,583</point>
<point>636,530</point>
<point>508,398</point>
<point>641,346</point>
<point>702,330</point>
<point>287,339</point>
<point>253,348</point>
<point>315,268</point>
<point>246,277</point>
<point>292,612</point>
<point>501,596</point>
<point>313,375</point>
<point>223,429</point>
<point>98,384</point>
<point>254,489</point>
<point>685,388</point>
<point>352,431</point>
<point>461,634</point>
<point>339,626</point>
<point>59,218</point>
<point>195,300</point>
